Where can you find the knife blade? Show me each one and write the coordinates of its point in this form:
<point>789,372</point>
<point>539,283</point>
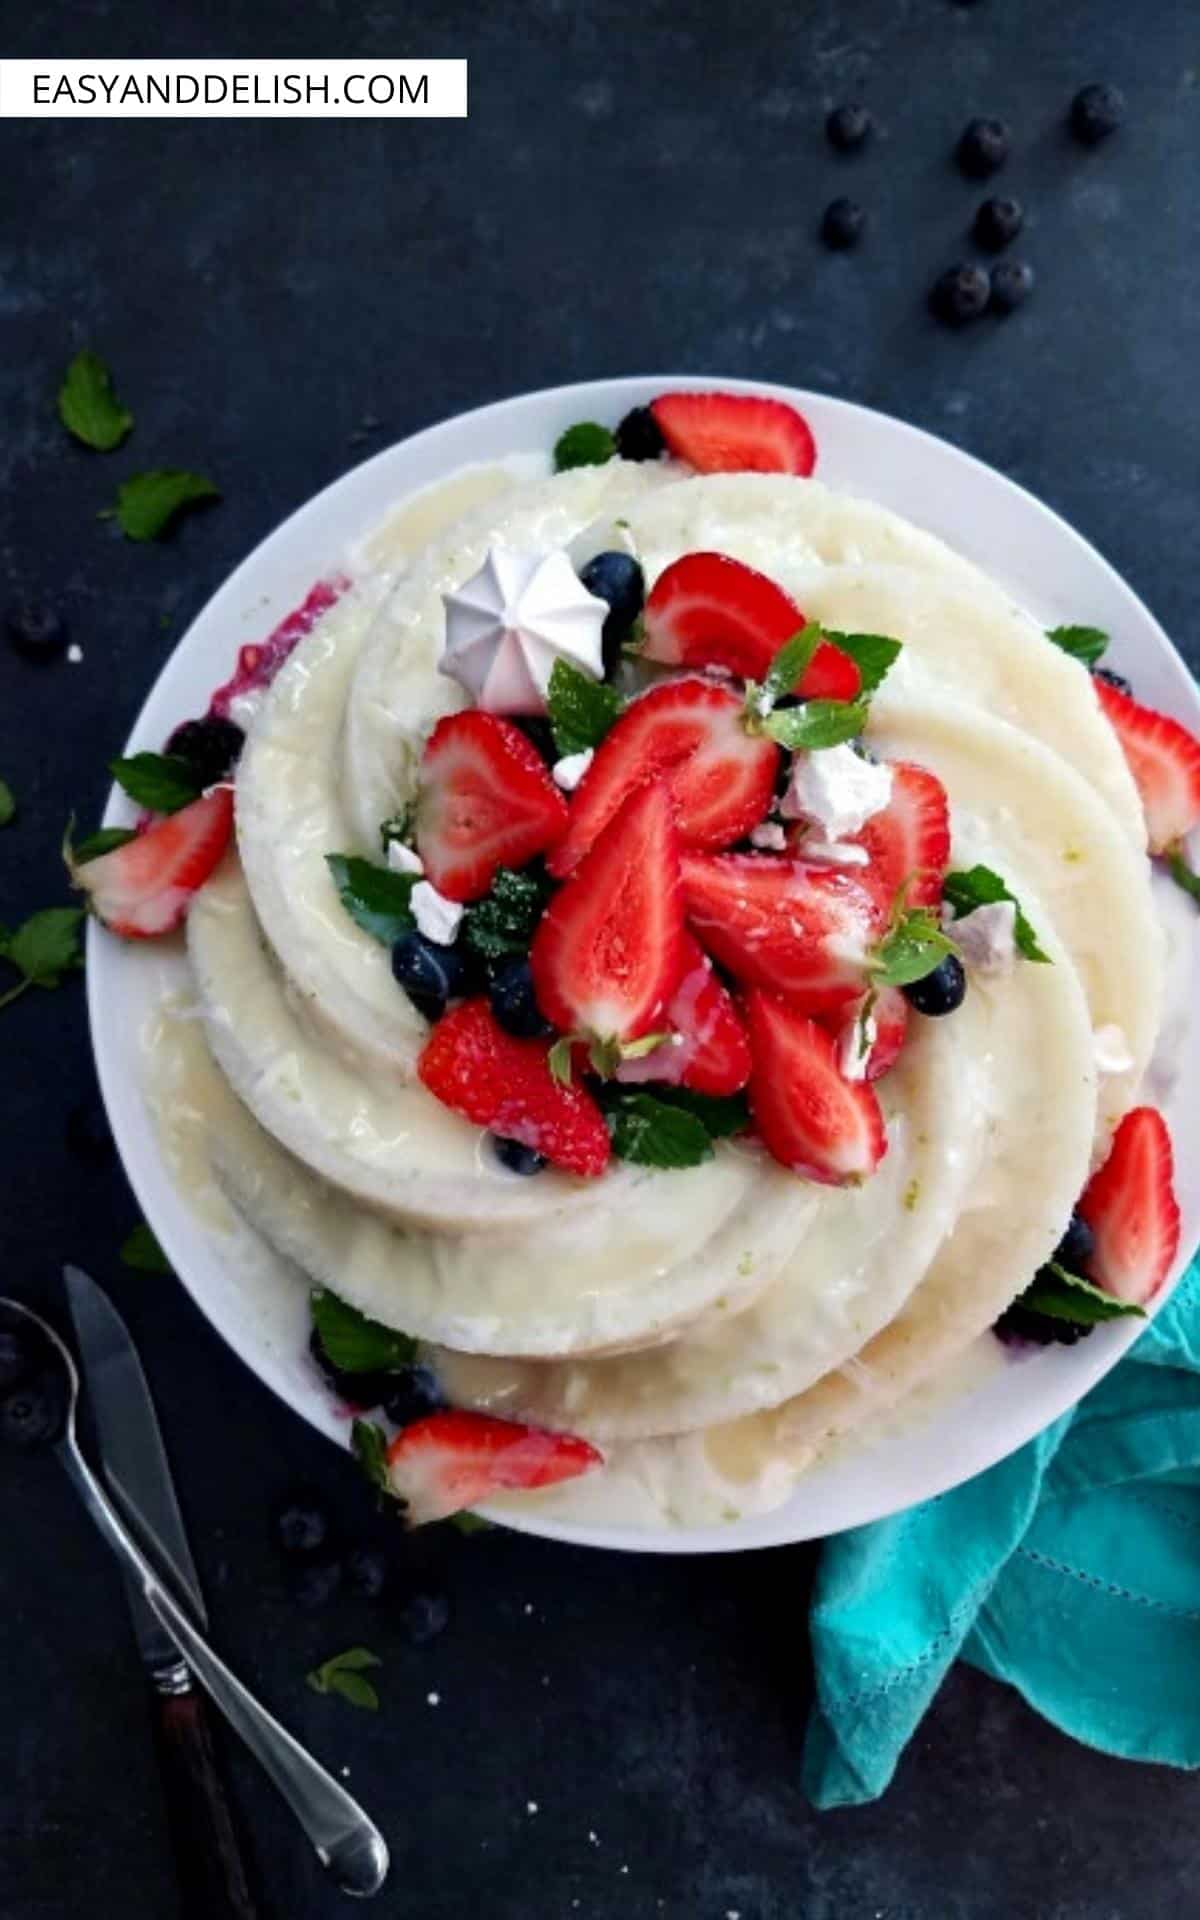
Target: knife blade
<point>133,1458</point>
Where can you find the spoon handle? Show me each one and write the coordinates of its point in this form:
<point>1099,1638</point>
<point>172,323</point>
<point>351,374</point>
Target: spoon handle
<point>345,1840</point>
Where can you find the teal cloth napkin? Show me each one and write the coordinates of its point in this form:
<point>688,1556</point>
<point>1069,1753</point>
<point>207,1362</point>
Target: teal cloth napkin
<point>1071,1570</point>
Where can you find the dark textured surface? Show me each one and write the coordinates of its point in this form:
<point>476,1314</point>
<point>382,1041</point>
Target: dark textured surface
<point>638,186</point>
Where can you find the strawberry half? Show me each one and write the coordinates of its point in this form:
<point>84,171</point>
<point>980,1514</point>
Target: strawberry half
<point>890,1017</point>
<point>707,610</point>
<point>721,778</point>
<point>909,840</point>
<point>1164,759</point>
<point>708,1051</point>
<point>735,433</point>
<point>1130,1206</point>
<point>804,931</point>
<point>142,889</point>
<point>450,1460</point>
<point>472,1065</point>
<point>484,800</point>
<point>608,951</point>
<point>811,1118</point>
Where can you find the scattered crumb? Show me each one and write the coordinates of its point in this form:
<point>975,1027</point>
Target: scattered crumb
<point>746,1264</point>
<point>545,1679</point>
<point>531,1806</point>
<point>624,1869</point>
<point>912,1194</point>
<point>594,1838</point>
<point>74,654</point>
<point>732,1913</point>
<point>1071,855</point>
<point>529,1606</point>
<point>345,1772</point>
<point>434,1699</point>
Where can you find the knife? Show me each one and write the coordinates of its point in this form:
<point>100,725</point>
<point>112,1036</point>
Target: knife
<point>213,1880</point>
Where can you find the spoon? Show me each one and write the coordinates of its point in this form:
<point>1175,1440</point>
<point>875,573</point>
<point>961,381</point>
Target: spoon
<point>346,1842</point>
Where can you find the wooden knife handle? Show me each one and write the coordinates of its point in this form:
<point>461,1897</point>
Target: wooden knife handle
<point>212,1874</point>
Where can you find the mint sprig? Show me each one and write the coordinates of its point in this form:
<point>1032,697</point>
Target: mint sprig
<point>789,666</point>
<point>652,1133</point>
<point>721,1115</point>
<point>913,947</point>
<point>872,653</point>
<point>94,845</point>
<point>581,710</point>
<point>160,782</point>
<point>1062,1295</point>
<point>816,724</point>
<point>502,923</point>
<point>43,949</point>
<point>141,1251</point>
<point>8,805</point>
<point>376,899</point>
<point>343,1675</point>
<point>88,407</point>
<point>354,1342</point>
<point>369,1445</point>
<point>1182,873</point>
<point>147,503</point>
<point>1085,644</point>
<point>979,886</point>
<point>586,444</point>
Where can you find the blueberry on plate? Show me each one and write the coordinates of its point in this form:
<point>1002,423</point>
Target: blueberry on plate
<point>1112,679</point>
<point>639,436</point>
<point>983,147</point>
<point>1042,1329</point>
<point>314,1584</point>
<point>842,224</point>
<point>940,991</point>
<point>997,222</point>
<point>960,294</point>
<point>517,1157</point>
<point>31,1415</point>
<point>412,1394</point>
<point>849,127</point>
<point>423,1616</point>
<point>514,1002</point>
<point>617,579</point>
<point>210,746</point>
<point>1077,1245</point>
<point>37,632</point>
<point>301,1527</point>
<point>1011,285</point>
<point>539,733</point>
<point>366,1572</point>
<point>430,973</point>
<point>1097,111</point>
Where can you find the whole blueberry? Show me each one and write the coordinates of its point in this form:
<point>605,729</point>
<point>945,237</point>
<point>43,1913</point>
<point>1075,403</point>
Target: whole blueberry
<point>1112,679</point>
<point>314,1583</point>
<point>617,579</point>
<point>849,127</point>
<point>960,294</point>
<point>412,1394</point>
<point>983,147</point>
<point>997,222</point>
<point>639,436</point>
<point>430,973</point>
<point>1097,111</point>
<point>423,1616</point>
<point>517,1157</point>
<point>210,746</point>
<point>31,1415</point>
<point>37,631</point>
<point>301,1528</point>
<point>366,1572</point>
<point>842,224</point>
<point>89,1135</point>
<point>514,1002</point>
<point>539,733</point>
<point>1020,1323</point>
<point>1077,1245</point>
<point>1011,285</point>
<point>940,991</point>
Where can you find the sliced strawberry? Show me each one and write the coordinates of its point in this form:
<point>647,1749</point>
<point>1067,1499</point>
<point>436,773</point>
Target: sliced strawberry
<point>450,1460</point>
<point>735,433</point>
<point>707,610</point>
<point>810,1117</point>
<point>260,660</point>
<point>484,800</point>
<point>1130,1206</point>
<point>889,1023</point>
<point>722,778</point>
<point>708,1049</point>
<point>608,951</point>
<point>909,840</point>
<point>1164,759</point>
<point>143,888</point>
<point>497,1081</point>
<point>805,931</point>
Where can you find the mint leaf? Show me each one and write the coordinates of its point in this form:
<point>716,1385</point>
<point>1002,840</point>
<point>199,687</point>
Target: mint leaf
<point>148,503</point>
<point>1087,644</point>
<point>104,840</point>
<point>8,805</point>
<point>872,653</point>
<point>973,887</point>
<point>721,1115</point>
<point>354,1342</point>
<point>88,407</point>
<point>502,923</point>
<point>1182,874</point>
<point>142,1251</point>
<point>376,899</point>
<point>818,723</point>
<point>583,445</point>
<point>559,1060</point>
<point>790,664</point>
<point>468,1522</point>
<point>652,1133</point>
<point>42,949</point>
<point>581,710</point>
<point>913,946</point>
<point>343,1675</point>
<point>369,1444</point>
<point>160,782</point>
<point>1064,1296</point>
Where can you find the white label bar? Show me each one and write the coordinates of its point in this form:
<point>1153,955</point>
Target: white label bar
<point>233,89</point>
